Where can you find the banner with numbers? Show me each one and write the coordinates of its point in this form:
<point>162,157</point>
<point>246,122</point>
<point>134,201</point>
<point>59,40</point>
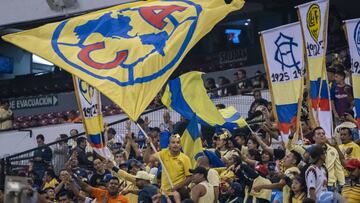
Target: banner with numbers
<point>89,103</point>
<point>314,19</point>
<point>283,54</point>
<point>352,28</point>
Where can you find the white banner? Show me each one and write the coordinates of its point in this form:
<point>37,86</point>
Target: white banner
<point>284,53</point>
<point>353,36</point>
<point>314,20</point>
<point>313,17</point>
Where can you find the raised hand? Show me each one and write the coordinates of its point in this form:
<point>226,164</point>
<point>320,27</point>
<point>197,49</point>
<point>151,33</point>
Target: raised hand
<point>128,125</point>
<point>147,121</point>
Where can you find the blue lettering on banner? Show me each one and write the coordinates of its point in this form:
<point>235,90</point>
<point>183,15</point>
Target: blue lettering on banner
<point>284,45</point>
<point>357,37</point>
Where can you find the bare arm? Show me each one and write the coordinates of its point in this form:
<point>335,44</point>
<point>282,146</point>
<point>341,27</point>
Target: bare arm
<point>147,154</point>
<point>76,191</point>
<point>177,197</point>
<point>247,160</point>
<point>336,115</point>
<point>250,161</point>
<point>135,146</point>
<point>87,188</point>
<point>196,192</point>
<point>58,187</point>
<point>216,191</point>
<point>184,183</point>
<point>263,145</point>
<point>312,194</point>
<point>341,155</point>
<point>278,185</point>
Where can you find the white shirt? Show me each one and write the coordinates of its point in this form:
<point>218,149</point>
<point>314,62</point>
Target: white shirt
<point>316,178</point>
<point>213,177</point>
<point>209,195</point>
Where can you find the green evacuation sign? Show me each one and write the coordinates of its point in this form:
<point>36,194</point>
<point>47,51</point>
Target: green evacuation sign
<point>33,102</point>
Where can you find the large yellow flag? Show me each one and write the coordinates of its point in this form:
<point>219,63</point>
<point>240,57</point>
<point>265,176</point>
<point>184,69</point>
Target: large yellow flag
<point>127,52</point>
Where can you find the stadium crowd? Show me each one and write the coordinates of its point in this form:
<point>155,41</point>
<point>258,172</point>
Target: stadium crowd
<point>258,166</point>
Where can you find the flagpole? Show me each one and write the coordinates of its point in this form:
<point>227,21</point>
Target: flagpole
<point>301,133</point>
<point>154,148</point>
<point>252,132</point>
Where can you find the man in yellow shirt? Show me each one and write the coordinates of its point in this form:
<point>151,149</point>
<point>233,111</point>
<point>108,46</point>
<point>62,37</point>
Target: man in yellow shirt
<point>333,165</point>
<point>176,163</point>
<point>349,148</point>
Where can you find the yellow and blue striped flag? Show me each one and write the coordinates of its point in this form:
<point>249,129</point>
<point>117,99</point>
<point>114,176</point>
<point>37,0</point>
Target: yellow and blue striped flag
<point>233,116</point>
<point>187,96</point>
<point>191,141</point>
<point>127,52</point>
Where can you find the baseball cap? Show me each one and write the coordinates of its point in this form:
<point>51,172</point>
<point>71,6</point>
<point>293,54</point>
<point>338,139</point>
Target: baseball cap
<point>143,175</point>
<point>236,187</point>
<point>329,197</point>
<point>107,177</point>
<point>315,152</point>
<point>353,164</point>
<point>310,149</point>
<point>200,170</point>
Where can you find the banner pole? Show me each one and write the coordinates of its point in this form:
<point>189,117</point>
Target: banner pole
<point>154,148</point>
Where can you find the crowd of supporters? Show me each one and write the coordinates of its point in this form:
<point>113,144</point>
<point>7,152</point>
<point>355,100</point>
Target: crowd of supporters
<point>259,166</point>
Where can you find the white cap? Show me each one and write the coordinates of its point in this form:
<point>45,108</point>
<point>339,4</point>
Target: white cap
<point>143,175</point>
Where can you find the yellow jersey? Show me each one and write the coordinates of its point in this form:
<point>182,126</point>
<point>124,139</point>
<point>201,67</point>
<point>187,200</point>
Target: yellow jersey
<point>355,154</point>
<point>177,166</point>
<point>298,199</point>
<point>290,173</point>
<point>351,193</point>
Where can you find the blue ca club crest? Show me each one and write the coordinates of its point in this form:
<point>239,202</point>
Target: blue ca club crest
<point>284,53</point>
<point>357,37</point>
